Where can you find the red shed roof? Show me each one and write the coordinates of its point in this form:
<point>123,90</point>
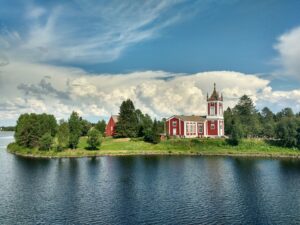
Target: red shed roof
<point>115,118</point>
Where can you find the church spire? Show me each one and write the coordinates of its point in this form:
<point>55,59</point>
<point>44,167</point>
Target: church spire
<point>215,95</point>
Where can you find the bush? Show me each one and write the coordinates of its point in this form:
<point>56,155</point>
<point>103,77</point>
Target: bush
<point>94,139</point>
<point>45,142</point>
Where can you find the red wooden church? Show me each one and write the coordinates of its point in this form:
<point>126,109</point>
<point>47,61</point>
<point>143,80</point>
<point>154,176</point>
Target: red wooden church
<point>210,125</point>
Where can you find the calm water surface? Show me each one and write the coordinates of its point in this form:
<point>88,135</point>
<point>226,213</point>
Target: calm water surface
<point>148,190</point>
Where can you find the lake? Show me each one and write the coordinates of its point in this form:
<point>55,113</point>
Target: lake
<point>148,190</point>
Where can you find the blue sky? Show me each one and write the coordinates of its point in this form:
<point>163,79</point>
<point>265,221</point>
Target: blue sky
<point>60,42</point>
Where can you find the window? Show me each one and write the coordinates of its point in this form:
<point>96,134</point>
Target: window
<point>200,127</point>
<point>193,130</point>
<point>174,123</point>
<point>212,126</point>
<point>212,110</point>
<point>221,109</point>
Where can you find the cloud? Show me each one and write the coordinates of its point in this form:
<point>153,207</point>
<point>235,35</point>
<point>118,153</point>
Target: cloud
<point>60,90</point>
<point>3,60</point>
<point>289,53</point>
<point>43,88</point>
<point>88,32</point>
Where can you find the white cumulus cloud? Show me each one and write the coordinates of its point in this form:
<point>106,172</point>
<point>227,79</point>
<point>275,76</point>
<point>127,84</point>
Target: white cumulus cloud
<point>31,87</point>
<point>288,47</point>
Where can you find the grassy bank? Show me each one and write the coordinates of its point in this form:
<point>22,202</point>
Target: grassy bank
<point>169,147</point>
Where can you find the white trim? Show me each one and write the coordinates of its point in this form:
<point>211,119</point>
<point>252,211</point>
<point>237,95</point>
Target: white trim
<point>179,132</point>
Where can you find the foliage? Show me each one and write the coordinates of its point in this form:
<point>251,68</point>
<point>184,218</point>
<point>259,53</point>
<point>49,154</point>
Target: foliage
<point>228,117</point>
<point>236,132</point>
<point>144,123</point>
<point>100,126</point>
<point>127,125</point>
<point>153,136</point>
<point>74,130</point>
<point>31,127</point>
<point>245,121</point>
<point>85,126</point>
<point>63,135</point>
<point>287,131</point>
<point>267,120</point>
<point>94,139</point>
<point>45,142</point>
<point>246,113</point>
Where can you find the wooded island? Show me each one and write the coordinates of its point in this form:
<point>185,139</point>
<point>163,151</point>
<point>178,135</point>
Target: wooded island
<point>248,132</point>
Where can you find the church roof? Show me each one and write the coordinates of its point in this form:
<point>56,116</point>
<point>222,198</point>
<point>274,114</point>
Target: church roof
<point>191,118</point>
<point>215,95</point>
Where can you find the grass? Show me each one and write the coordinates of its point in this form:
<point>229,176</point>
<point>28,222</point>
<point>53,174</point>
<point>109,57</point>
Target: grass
<point>110,146</point>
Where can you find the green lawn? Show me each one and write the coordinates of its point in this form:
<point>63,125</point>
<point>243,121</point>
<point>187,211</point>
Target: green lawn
<point>110,146</point>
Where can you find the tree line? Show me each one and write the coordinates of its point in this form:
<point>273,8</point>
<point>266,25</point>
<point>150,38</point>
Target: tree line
<point>245,121</point>
<point>42,130</point>
<point>7,128</point>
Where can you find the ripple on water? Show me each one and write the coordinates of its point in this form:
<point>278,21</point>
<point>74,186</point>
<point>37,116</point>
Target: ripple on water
<point>148,190</point>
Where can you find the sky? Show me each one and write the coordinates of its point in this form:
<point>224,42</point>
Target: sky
<point>88,56</point>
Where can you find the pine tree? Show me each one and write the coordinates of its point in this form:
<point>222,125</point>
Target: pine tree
<point>127,125</point>
<point>247,115</point>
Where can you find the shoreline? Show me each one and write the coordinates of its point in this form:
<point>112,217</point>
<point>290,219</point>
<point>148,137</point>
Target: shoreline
<point>144,153</point>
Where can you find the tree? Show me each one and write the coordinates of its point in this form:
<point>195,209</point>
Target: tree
<point>63,135</point>
<point>127,125</point>
<point>100,126</point>
<point>228,117</point>
<point>152,135</point>
<point>74,130</point>
<point>247,115</point>
<point>161,125</point>
<point>286,112</point>
<point>45,142</point>
<point>144,123</point>
<point>155,133</point>
<point>236,132</point>
<point>31,127</point>
<point>85,126</point>
<point>94,138</point>
<point>268,123</point>
<point>287,132</point>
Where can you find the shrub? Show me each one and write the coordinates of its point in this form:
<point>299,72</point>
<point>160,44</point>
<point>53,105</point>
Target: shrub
<point>94,139</point>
